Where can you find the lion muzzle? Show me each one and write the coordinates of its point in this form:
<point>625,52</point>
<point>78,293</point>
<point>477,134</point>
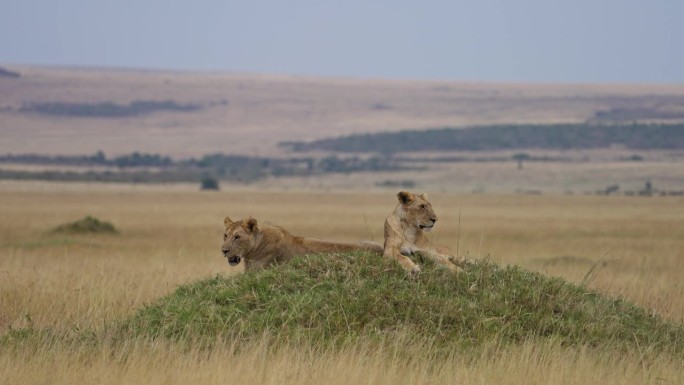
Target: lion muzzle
<point>233,260</point>
<point>430,226</point>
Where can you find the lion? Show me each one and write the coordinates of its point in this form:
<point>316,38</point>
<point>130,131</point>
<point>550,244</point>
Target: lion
<point>405,235</point>
<point>262,246</point>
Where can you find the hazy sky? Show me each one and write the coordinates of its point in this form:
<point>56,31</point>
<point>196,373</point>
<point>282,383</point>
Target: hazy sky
<point>515,40</point>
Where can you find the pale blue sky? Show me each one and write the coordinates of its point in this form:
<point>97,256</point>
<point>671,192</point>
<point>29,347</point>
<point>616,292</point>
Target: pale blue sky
<point>486,40</point>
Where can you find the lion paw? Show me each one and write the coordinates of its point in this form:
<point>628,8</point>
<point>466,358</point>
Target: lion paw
<point>412,271</point>
<point>452,268</point>
<point>461,262</point>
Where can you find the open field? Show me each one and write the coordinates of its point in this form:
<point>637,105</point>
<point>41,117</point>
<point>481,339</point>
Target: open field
<point>170,235</point>
<point>250,113</point>
<point>587,172</point>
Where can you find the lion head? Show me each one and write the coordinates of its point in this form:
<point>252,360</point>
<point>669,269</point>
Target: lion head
<point>238,239</point>
<point>417,210</point>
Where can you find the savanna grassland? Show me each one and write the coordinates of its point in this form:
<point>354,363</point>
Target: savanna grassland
<point>629,247</point>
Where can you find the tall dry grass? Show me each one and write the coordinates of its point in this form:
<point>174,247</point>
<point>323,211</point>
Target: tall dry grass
<point>625,246</point>
<point>532,362</point>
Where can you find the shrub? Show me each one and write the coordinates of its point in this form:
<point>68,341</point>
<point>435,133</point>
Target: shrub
<point>87,225</point>
<point>209,183</point>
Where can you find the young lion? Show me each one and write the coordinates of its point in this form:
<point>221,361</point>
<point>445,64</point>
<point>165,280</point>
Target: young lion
<point>265,245</point>
<point>405,233</point>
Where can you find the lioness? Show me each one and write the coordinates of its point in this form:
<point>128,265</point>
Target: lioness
<point>405,233</point>
<point>265,245</point>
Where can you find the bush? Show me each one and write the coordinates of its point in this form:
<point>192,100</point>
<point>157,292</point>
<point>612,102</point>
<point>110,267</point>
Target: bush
<point>209,183</point>
<point>87,225</point>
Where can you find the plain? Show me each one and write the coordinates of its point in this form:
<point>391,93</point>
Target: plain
<point>170,235</point>
<point>250,114</point>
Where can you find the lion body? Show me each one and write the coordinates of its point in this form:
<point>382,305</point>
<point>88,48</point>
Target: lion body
<point>405,234</point>
<point>266,245</point>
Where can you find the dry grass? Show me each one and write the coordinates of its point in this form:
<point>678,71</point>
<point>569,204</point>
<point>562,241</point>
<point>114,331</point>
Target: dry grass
<point>533,362</point>
<point>171,235</point>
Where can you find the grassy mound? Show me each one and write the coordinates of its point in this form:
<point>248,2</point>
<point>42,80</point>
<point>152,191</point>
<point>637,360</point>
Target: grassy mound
<point>87,225</point>
<point>346,298</point>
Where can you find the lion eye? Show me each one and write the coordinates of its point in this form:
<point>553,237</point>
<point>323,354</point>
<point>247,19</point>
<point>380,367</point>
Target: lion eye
<point>236,237</point>
<point>225,236</point>
<point>422,206</point>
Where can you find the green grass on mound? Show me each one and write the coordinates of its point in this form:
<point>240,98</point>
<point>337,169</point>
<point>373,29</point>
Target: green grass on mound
<point>87,225</point>
<point>345,298</point>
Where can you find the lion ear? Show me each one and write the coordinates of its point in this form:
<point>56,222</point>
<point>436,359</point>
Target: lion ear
<point>251,225</point>
<point>424,196</point>
<point>227,221</point>
<point>405,197</point>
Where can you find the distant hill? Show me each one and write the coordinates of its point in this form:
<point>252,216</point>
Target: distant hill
<point>8,74</point>
<point>249,114</point>
<point>506,137</point>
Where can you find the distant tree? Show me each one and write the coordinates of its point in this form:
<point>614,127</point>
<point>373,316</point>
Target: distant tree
<point>209,183</point>
<point>648,189</point>
<point>99,158</point>
<point>613,189</point>
<point>137,159</point>
<point>520,157</point>
<point>505,137</point>
<point>331,164</point>
<point>107,109</point>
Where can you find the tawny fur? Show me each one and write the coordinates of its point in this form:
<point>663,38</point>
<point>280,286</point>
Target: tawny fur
<point>261,246</point>
<point>405,234</point>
